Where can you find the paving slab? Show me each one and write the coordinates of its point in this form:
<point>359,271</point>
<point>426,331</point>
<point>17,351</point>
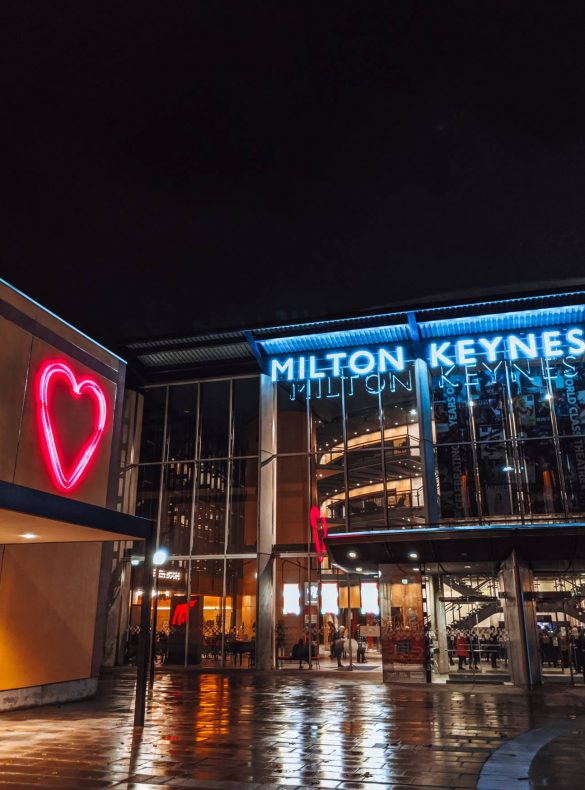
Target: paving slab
<point>262,731</point>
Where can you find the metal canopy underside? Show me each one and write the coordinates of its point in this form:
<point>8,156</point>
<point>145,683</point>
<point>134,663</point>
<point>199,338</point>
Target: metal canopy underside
<point>56,519</point>
<point>543,545</point>
<point>240,351</point>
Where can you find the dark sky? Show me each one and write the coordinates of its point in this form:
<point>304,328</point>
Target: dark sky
<point>181,165</point>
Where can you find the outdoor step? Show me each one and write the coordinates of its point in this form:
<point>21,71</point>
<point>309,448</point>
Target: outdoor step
<point>476,677</point>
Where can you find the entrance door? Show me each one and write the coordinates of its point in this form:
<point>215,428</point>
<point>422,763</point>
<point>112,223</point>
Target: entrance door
<point>560,607</point>
<point>470,642</point>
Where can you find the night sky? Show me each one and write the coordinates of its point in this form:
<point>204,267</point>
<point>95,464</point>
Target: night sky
<point>183,165</point>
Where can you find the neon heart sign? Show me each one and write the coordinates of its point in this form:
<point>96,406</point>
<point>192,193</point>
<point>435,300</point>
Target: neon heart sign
<point>48,373</point>
<point>319,529</point>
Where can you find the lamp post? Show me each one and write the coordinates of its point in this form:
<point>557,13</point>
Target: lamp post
<point>159,558</point>
<point>143,645</point>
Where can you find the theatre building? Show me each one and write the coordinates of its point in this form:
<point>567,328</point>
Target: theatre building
<point>61,526</point>
<point>417,476</point>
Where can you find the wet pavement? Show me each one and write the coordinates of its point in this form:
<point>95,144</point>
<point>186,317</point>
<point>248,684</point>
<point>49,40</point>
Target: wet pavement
<point>562,760</point>
<point>256,730</point>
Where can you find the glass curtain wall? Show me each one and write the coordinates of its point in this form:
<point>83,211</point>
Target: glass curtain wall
<point>509,440</point>
<point>347,448</point>
<point>198,480</point>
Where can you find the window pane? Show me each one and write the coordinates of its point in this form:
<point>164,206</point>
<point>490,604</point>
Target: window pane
<point>206,612</point>
<point>451,408</point>
<point>569,400</point>
<point>292,418</point>
<point>209,527</point>
<point>244,506</point>
<point>399,400</point>
<point>214,419</point>
<point>540,476</point>
<point>532,410</point>
<point>148,492</point>
<point>457,496</point>
<point>153,420</point>
<point>363,413</point>
<point>175,528</point>
<point>498,480</point>
<point>246,409</point>
<point>292,501</point>
<point>241,606</point>
<point>366,490</point>
<point>181,418</point>
<point>329,482</point>
<point>171,612</point>
<point>290,577</point>
<point>573,455</point>
<point>404,486</point>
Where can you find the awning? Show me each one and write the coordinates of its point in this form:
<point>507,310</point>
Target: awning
<point>543,545</point>
<point>31,516</point>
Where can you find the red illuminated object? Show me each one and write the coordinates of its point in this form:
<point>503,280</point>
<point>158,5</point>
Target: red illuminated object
<point>48,373</point>
<point>181,613</point>
<point>319,534</point>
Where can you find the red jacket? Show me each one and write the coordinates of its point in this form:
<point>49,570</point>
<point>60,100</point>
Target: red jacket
<point>461,646</point>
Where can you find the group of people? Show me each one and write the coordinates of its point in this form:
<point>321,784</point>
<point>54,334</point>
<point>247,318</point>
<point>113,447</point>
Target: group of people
<point>470,646</point>
<point>559,647</point>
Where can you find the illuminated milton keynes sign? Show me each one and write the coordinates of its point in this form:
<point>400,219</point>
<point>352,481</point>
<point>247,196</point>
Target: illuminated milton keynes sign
<point>53,372</point>
<point>548,344</point>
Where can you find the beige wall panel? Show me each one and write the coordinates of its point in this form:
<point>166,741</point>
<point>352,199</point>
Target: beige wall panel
<point>55,325</point>
<point>48,596</point>
<point>14,353</point>
<point>73,418</point>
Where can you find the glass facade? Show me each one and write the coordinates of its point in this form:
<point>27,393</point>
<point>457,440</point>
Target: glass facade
<point>502,441</point>
<point>198,480</point>
<point>508,439</point>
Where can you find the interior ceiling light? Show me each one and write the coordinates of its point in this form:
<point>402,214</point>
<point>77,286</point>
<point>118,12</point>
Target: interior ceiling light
<point>28,535</point>
<point>413,555</point>
<point>352,555</point>
<point>359,569</point>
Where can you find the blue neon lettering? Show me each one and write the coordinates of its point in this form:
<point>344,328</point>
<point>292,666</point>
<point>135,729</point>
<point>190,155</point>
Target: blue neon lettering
<point>577,345</point>
<point>490,346</point>
<point>336,357</point>
<point>313,372</point>
<point>363,368</point>
<point>282,367</point>
<point>464,352</point>
<point>551,344</point>
<point>520,348</point>
<point>396,361</point>
<point>438,355</point>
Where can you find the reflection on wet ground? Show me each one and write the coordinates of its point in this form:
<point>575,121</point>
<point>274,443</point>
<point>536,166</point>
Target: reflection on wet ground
<point>243,730</point>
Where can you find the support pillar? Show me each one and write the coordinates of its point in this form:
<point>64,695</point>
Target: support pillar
<point>516,579</point>
<point>427,452</point>
<point>266,526</point>
<point>440,624</point>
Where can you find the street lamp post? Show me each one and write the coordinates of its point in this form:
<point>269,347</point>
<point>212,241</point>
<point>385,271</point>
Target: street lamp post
<point>159,558</point>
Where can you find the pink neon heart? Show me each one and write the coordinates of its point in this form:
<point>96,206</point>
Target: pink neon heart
<point>47,372</point>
